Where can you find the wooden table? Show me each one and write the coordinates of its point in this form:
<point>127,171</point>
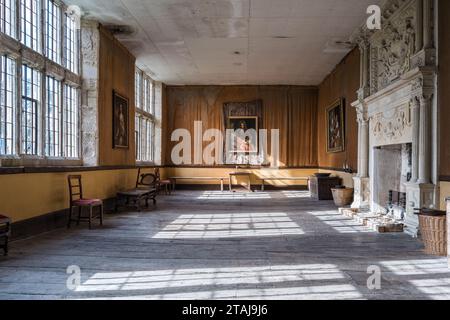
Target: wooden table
<point>241,174</point>
<point>282,179</point>
<point>5,232</point>
<point>174,180</point>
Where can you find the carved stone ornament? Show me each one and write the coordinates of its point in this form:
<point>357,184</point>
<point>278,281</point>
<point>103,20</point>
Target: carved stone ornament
<point>395,51</point>
<point>389,129</point>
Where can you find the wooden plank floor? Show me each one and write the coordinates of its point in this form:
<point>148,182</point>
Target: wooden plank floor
<point>213,245</point>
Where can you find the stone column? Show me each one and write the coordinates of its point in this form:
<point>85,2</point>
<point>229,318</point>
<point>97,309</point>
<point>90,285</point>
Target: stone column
<point>90,46</point>
<point>361,181</point>
<point>364,127</point>
<point>427,25</point>
<point>415,110</point>
<point>419,25</point>
<point>448,228</point>
<point>425,140</point>
<point>364,48</point>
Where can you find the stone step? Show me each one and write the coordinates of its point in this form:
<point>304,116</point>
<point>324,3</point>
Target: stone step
<point>375,222</point>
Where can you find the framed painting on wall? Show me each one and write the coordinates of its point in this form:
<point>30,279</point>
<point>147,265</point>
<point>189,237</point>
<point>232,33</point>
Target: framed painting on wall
<point>336,127</point>
<point>120,122</point>
<point>248,144</point>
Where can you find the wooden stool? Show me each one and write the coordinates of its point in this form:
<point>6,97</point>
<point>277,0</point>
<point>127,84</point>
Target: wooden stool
<point>5,233</point>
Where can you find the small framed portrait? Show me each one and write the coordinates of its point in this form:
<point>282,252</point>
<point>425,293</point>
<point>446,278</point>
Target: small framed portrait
<point>248,143</point>
<point>120,122</point>
<point>336,127</point>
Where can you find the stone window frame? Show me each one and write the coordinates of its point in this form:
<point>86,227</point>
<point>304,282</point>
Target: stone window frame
<point>13,48</point>
<point>145,119</point>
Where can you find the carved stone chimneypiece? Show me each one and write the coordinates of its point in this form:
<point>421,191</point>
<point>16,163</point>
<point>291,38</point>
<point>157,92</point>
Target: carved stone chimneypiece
<point>395,102</point>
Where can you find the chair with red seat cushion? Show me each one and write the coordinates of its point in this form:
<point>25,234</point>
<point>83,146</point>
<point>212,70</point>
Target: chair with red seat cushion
<point>167,183</point>
<point>77,201</point>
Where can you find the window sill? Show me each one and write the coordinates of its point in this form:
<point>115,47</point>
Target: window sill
<point>37,161</point>
<point>145,163</point>
<point>63,169</point>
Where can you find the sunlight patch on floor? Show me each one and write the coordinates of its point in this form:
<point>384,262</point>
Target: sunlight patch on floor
<point>323,281</point>
<point>226,195</point>
<point>340,223</point>
<point>201,226</point>
<point>296,194</point>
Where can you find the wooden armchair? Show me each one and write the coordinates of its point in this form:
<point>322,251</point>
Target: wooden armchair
<point>78,201</point>
<point>5,232</point>
<point>144,191</point>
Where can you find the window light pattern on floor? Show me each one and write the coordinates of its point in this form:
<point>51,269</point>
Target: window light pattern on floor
<point>201,226</point>
<point>323,281</point>
<point>430,276</point>
<point>339,222</point>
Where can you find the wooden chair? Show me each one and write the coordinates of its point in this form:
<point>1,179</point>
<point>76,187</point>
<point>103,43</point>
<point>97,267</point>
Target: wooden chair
<point>144,191</point>
<point>5,232</point>
<point>160,184</point>
<point>78,201</point>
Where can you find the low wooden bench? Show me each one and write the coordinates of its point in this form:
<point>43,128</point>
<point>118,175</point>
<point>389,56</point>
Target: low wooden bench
<point>282,179</point>
<point>146,189</point>
<point>175,179</point>
<point>5,231</point>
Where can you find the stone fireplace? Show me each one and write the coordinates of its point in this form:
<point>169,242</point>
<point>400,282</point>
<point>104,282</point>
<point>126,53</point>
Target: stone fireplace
<point>391,171</point>
<point>396,110</point>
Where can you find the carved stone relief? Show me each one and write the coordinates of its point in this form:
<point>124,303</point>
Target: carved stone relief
<point>391,129</point>
<point>392,48</point>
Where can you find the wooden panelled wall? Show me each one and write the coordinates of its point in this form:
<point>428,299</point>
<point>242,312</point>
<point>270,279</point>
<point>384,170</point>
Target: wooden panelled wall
<point>343,82</point>
<point>116,72</point>
<point>292,109</point>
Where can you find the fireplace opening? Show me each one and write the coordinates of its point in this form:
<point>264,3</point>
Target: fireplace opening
<point>392,170</point>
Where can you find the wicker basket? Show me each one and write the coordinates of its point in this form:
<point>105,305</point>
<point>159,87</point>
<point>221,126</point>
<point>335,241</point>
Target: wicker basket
<point>342,196</point>
<point>434,234</point>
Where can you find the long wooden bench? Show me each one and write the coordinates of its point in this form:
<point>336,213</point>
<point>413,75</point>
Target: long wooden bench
<point>282,179</point>
<point>175,179</point>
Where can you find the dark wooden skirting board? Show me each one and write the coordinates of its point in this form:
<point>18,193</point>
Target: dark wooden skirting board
<point>444,178</point>
<point>47,222</point>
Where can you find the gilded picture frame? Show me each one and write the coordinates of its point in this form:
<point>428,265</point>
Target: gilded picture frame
<point>335,127</point>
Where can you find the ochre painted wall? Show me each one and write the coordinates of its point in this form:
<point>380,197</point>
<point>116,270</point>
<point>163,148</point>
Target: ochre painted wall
<point>116,72</point>
<point>343,82</point>
<point>444,86</point>
<point>291,109</point>
<point>256,175</point>
<point>26,196</point>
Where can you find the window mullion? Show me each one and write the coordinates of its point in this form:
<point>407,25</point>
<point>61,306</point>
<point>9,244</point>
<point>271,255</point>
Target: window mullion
<point>61,120</point>
<point>18,131</point>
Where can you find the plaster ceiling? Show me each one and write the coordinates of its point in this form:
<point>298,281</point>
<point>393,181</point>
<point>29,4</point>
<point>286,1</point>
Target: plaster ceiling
<point>233,41</point>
